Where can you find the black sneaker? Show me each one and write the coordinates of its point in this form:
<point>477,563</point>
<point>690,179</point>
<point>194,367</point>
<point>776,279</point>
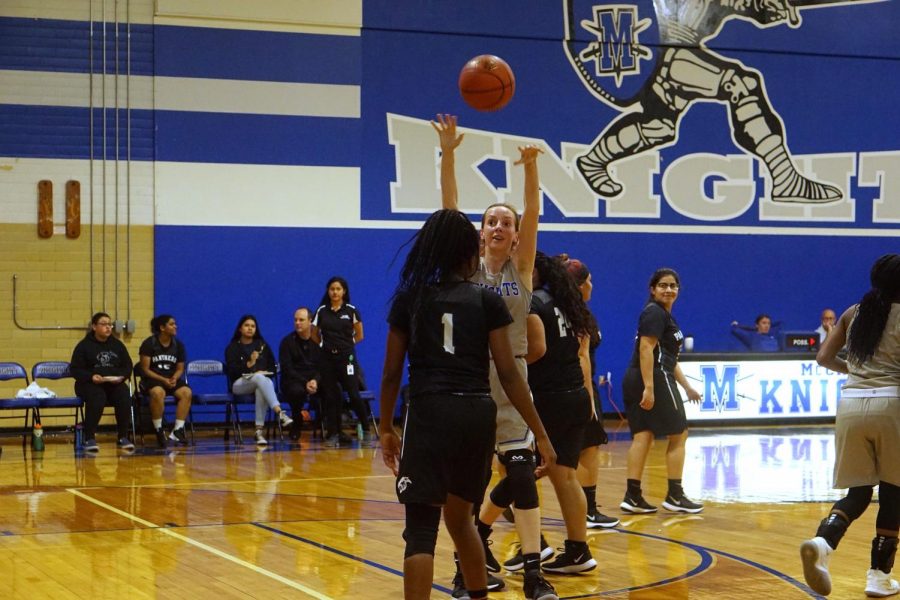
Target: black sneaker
<point>495,584</point>
<point>636,505</point>
<point>489,561</point>
<point>575,558</point>
<point>537,588</point>
<point>125,444</point>
<point>161,438</point>
<point>517,562</point>
<point>682,504</point>
<point>179,436</point>
<point>459,588</point>
<point>597,519</point>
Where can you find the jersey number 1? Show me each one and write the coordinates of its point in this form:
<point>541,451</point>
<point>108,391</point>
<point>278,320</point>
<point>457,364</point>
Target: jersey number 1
<point>447,321</point>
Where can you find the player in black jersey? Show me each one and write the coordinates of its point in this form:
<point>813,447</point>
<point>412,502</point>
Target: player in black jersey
<point>558,382</point>
<point>594,434</point>
<point>447,326</point>
<point>652,400</point>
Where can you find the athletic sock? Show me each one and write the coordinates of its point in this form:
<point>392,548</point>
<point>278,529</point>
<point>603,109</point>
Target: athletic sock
<point>484,530</point>
<point>634,487</point>
<point>675,489</point>
<point>590,494</point>
<point>157,423</point>
<point>179,423</point>
<point>532,562</point>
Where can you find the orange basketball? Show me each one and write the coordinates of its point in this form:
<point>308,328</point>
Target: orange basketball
<point>487,83</point>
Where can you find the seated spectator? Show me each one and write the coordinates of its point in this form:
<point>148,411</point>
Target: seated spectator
<point>761,337</point>
<point>162,359</point>
<point>251,365</point>
<point>827,323</point>
<point>101,365</point>
<point>300,358</point>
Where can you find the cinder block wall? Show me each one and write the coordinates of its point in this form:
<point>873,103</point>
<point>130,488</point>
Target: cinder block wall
<point>53,288</point>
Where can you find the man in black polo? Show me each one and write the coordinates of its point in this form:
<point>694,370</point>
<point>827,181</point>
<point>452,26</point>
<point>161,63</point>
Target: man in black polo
<point>300,360</point>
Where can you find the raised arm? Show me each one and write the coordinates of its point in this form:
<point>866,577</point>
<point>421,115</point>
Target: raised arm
<point>528,227</point>
<point>449,140</point>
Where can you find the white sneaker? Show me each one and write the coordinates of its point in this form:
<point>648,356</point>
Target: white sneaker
<point>880,585</point>
<point>260,438</point>
<point>285,419</point>
<point>815,554</point>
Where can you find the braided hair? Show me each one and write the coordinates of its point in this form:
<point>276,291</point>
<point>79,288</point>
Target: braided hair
<point>445,247</point>
<point>555,278</point>
<point>873,310</point>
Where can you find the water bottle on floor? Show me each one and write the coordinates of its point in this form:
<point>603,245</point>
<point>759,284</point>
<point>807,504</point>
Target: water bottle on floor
<point>37,437</point>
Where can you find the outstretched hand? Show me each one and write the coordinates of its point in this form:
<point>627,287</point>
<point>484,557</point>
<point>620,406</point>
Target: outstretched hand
<point>528,154</point>
<point>446,129</point>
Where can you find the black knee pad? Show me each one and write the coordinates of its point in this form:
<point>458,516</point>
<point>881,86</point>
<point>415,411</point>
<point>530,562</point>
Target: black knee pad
<point>520,478</point>
<point>856,502</point>
<point>888,507</point>
<point>422,522</point>
<point>501,494</point>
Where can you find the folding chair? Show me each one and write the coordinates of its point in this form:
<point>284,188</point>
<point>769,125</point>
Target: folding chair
<point>55,370</point>
<point>367,396</point>
<point>59,369</point>
<point>142,398</point>
<point>215,368</point>
<point>10,371</point>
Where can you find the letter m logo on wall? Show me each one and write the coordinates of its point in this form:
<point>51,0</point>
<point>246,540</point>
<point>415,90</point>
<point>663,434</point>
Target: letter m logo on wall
<point>607,41</point>
<point>719,390</point>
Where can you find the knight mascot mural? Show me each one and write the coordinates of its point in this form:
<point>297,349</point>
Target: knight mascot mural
<point>648,59</point>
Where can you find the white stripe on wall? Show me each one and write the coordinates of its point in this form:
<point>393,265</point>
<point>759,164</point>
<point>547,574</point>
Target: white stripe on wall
<point>257,195</point>
<point>257,97</point>
<point>332,17</point>
<point>50,88</point>
<point>140,11</point>
<point>47,88</point>
<point>19,178</point>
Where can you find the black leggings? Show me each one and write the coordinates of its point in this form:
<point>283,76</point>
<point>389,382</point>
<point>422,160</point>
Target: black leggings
<point>334,373</point>
<point>96,397</point>
<point>857,501</point>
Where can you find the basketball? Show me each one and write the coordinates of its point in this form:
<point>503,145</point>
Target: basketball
<point>487,83</point>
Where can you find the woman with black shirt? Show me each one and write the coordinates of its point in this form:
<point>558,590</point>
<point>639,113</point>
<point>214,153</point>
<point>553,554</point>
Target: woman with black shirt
<point>251,366</point>
<point>652,400</point>
<point>338,327</point>
<point>162,359</point>
<point>594,434</point>
<point>100,365</point>
<point>448,326</point>
<point>558,381</point>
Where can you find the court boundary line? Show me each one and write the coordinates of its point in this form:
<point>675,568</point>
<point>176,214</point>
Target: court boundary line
<point>202,546</point>
<point>701,550</point>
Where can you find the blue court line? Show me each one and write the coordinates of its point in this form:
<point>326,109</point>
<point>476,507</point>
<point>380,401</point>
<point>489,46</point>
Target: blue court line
<point>705,563</point>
